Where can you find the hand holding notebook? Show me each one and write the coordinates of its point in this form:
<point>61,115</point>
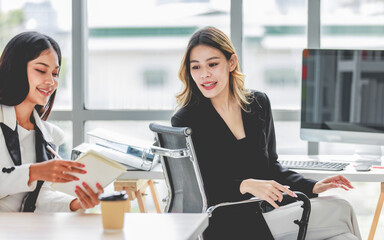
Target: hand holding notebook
<point>100,169</point>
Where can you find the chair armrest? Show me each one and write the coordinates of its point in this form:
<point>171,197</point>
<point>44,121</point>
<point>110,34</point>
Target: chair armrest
<point>212,208</point>
<point>302,223</point>
<point>173,153</point>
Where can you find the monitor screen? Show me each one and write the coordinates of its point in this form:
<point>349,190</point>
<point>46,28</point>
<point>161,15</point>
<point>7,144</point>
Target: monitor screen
<point>343,96</point>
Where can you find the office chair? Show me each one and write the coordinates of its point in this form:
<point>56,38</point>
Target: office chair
<point>185,184</point>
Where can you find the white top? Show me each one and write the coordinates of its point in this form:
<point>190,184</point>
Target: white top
<point>12,203</point>
<point>14,183</point>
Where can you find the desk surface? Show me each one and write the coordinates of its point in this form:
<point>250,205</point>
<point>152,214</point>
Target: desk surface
<point>374,175</point>
<point>66,226</point>
<point>155,173</point>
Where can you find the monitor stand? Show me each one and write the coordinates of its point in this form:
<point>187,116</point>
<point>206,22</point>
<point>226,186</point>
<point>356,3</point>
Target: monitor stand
<point>369,154</point>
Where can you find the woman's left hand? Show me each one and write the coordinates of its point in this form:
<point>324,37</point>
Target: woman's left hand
<point>86,199</point>
<point>338,181</point>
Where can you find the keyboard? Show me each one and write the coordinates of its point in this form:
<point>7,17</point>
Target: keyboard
<point>313,165</point>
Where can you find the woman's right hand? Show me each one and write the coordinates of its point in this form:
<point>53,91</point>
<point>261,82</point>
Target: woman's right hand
<point>55,171</point>
<point>267,190</point>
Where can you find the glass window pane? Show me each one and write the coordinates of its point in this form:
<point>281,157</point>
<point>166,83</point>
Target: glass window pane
<point>133,129</point>
<point>274,37</point>
<point>352,24</point>
<point>52,18</point>
<point>66,148</point>
<point>288,138</point>
<point>136,47</point>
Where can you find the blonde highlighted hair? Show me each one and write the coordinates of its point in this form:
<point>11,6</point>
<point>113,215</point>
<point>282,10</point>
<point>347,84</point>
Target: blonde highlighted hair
<point>212,37</point>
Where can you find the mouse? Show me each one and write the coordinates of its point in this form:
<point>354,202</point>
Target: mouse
<point>363,167</point>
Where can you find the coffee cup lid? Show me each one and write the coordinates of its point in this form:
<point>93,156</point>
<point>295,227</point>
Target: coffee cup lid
<point>114,196</point>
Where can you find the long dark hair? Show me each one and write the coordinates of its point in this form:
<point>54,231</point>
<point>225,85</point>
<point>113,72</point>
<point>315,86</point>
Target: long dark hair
<point>14,85</point>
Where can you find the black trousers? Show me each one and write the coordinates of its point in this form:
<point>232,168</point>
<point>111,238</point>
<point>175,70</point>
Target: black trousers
<point>238,222</point>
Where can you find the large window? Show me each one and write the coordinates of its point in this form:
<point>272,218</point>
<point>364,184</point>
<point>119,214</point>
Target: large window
<point>136,48</point>
<point>274,37</point>
<point>352,24</point>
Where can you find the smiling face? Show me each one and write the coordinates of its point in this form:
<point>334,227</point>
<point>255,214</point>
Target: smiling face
<point>43,74</point>
<point>210,71</point>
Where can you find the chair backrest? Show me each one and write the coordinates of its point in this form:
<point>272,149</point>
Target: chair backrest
<point>181,169</point>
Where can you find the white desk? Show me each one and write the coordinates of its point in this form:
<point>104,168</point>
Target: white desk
<point>155,173</point>
<point>64,226</point>
<point>375,175</point>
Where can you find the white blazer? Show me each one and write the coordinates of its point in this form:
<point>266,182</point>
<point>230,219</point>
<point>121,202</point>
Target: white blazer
<point>14,179</point>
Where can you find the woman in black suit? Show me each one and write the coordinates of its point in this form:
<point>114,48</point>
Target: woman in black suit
<point>234,137</point>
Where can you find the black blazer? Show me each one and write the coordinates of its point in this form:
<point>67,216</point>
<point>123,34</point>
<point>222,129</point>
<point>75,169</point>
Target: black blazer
<point>225,161</point>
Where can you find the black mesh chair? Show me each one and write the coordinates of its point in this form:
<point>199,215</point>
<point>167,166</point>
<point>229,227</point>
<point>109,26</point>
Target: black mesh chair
<point>185,184</point>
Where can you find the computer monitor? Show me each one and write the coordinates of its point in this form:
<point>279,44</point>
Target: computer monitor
<point>343,97</point>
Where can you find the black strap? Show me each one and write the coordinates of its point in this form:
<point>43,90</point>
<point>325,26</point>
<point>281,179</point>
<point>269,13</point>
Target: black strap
<point>12,141</point>
<point>29,204</point>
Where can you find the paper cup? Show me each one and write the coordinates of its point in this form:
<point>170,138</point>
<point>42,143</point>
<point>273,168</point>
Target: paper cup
<point>112,210</point>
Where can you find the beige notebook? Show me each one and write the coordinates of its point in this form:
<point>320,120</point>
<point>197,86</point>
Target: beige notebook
<point>100,169</point>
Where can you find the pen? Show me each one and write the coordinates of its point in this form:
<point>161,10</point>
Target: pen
<point>378,167</point>
<point>374,166</point>
<point>53,152</point>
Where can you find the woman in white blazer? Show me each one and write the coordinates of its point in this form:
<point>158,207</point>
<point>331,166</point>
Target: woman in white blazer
<point>29,71</point>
